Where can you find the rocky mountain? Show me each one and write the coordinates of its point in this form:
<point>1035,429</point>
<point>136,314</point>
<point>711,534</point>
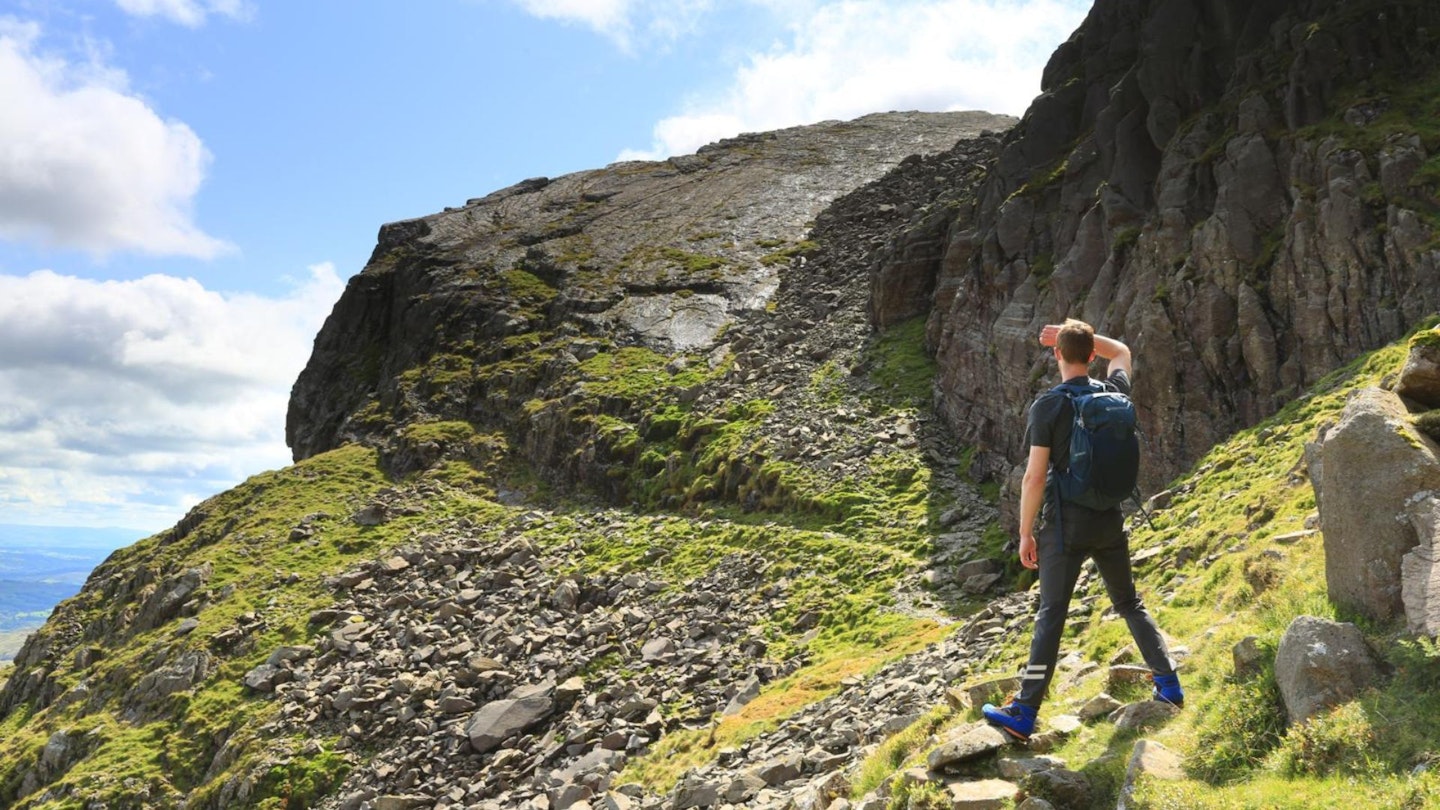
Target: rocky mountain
<point>680,484</point>
<point>1245,190</point>
<point>475,312</point>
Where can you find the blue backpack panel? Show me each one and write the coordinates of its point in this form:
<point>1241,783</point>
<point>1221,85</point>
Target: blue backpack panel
<point>1104,448</point>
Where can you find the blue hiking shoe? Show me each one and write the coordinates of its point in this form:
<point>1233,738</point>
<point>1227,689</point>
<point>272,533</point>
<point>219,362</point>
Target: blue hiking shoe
<point>1015,719</point>
<point>1167,690</point>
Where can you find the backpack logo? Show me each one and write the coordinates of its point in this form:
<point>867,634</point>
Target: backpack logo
<point>1104,448</point>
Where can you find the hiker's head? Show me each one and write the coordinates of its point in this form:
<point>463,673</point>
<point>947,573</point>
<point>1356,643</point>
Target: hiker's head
<point>1075,342</point>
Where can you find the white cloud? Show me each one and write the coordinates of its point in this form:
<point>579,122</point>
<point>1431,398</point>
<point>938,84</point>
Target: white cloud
<point>189,13</point>
<point>623,21</point>
<point>126,402</point>
<point>853,57</point>
<point>86,164</point>
<point>602,15</point>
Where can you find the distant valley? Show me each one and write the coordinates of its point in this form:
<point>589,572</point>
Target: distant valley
<point>42,565</point>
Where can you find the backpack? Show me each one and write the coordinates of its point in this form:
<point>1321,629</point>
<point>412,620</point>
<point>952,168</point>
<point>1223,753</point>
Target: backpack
<point>1104,465</point>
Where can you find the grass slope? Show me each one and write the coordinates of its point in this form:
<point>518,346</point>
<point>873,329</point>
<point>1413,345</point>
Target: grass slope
<point>153,757</point>
<point>841,543</point>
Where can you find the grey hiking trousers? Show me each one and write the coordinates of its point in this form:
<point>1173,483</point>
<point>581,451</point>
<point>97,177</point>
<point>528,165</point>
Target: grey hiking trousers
<point>1102,537</point>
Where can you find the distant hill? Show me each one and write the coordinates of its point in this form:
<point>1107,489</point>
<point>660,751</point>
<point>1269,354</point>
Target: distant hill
<point>26,604</point>
<point>67,538</point>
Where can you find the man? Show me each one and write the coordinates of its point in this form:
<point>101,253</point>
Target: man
<point>1071,532</point>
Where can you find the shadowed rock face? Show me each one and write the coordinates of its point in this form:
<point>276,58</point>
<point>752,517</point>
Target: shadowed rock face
<point>1232,187</point>
<point>663,255</point>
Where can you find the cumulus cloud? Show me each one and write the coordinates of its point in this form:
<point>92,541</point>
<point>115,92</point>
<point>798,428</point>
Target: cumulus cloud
<point>86,164</point>
<point>126,402</point>
<point>189,13</point>
<point>845,59</point>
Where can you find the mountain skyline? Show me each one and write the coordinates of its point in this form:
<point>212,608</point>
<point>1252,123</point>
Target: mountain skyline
<point>189,183</point>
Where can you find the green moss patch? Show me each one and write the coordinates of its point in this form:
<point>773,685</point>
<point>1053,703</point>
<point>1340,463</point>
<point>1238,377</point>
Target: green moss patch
<point>634,374</point>
<point>900,365</point>
<point>785,254</point>
<point>527,289</point>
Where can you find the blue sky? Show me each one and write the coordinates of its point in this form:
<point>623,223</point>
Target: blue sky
<point>185,185</point>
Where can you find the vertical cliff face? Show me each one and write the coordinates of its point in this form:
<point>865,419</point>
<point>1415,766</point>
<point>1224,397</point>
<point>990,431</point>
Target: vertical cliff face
<point>1243,190</point>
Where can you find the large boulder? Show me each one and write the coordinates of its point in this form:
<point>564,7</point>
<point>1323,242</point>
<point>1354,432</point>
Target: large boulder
<point>1420,379</point>
<point>501,719</point>
<point>1371,465</point>
<point>1320,664</point>
<point>1420,569</point>
<point>167,600</point>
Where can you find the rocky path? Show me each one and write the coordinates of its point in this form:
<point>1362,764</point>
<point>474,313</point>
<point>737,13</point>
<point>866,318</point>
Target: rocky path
<point>475,675</point>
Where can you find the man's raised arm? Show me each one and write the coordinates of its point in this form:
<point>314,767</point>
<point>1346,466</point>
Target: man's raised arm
<point>1116,353</point>
<point>1112,350</point>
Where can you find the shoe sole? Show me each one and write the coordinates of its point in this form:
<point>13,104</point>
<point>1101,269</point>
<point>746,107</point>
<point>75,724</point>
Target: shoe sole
<point>1012,732</point>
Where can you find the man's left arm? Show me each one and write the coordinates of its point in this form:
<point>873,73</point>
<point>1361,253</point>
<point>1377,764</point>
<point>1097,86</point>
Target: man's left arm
<point>1116,355</point>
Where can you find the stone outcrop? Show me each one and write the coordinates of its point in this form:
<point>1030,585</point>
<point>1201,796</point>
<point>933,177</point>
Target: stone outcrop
<point>136,596</point>
<point>1420,567</point>
<point>1420,379</point>
<point>1371,465</point>
<point>1160,190</point>
<point>664,255</point>
<point>1321,664</point>
<point>62,750</point>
